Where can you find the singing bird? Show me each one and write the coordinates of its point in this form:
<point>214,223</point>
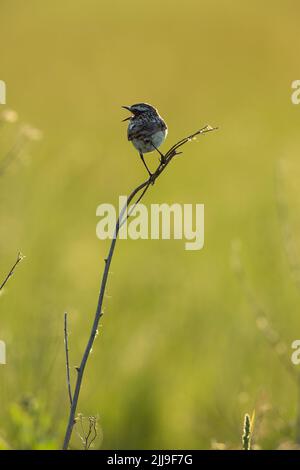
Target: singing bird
<point>146,130</point>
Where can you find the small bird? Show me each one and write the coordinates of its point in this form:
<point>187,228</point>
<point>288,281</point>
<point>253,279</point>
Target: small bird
<point>147,130</point>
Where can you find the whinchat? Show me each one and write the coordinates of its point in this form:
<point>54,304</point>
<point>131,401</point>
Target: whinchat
<point>146,130</point>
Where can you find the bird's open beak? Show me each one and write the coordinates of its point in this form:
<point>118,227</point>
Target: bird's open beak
<point>128,109</point>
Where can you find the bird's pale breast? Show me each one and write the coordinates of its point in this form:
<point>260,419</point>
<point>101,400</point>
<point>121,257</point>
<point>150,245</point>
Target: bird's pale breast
<point>148,144</point>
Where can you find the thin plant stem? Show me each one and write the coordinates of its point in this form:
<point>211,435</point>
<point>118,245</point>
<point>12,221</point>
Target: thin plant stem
<point>67,357</point>
<point>11,155</point>
<point>172,152</point>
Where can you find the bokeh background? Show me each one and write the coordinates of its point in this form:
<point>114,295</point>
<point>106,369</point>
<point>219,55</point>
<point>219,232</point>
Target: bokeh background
<point>186,346</point>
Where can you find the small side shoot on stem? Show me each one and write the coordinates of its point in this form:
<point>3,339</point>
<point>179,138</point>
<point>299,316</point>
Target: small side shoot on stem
<point>12,270</point>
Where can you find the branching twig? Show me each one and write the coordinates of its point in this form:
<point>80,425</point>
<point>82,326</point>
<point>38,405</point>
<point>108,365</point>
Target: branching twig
<point>246,438</point>
<point>143,187</point>
<point>11,272</point>
<point>87,437</point>
<point>67,357</point>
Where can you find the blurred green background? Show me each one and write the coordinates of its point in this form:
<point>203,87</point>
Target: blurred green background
<point>179,358</point>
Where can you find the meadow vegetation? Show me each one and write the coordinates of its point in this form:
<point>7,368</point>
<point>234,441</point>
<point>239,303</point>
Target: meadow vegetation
<point>181,355</point>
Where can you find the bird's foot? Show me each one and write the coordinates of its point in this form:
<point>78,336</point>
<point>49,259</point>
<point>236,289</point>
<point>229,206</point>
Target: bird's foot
<point>152,178</point>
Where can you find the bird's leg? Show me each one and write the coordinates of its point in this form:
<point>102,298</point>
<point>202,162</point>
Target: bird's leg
<point>162,159</point>
<point>142,157</point>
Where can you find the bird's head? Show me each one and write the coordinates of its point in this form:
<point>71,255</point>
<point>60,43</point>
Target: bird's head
<point>139,108</point>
